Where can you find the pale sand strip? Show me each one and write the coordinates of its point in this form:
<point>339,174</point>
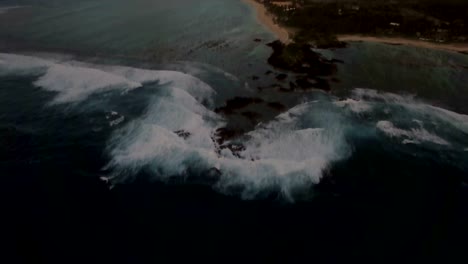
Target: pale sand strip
<point>267,19</point>
<point>462,47</point>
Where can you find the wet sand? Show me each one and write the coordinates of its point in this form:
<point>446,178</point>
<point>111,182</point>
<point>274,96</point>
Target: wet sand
<point>407,42</point>
<point>267,19</point>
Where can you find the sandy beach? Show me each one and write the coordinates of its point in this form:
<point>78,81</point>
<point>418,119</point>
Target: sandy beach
<point>407,42</point>
<point>267,19</point>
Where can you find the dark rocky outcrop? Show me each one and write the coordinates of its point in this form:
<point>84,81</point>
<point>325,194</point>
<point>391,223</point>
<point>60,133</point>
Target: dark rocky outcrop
<point>300,58</point>
<point>319,40</point>
<point>253,116</point>
<point>337,61</point>
<point>277,106</point>
<point>237,103</point>
<point>183,134</point>
<point>235,148</point>
<point>306,83</point>
<point>292,86</point>
<point>223,135</point>
<point>286,90</point>
<point>313,70</point>
<point>281,77</point>
<point>270,87</point>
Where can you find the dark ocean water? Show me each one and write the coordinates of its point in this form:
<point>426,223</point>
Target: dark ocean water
<point>94,171</point>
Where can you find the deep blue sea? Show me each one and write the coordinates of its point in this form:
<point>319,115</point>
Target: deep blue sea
<point>109,150</point>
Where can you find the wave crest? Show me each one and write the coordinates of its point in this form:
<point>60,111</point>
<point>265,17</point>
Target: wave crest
<point>75,81</point>
<point>285,153</point>
<point>177,134</point>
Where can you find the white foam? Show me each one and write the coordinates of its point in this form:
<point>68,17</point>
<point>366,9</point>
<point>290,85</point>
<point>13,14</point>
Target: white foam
<point>178,111</point>
<point>305,152</point>
<point>117,121</point>
<point>159,148</point>
<point>77,83</point>
<point>175,134</point>
<point>419,122</point>
<point>152,140</point>
<point>277,154</point>
<point>356,106</point>
<point>366,94</point>
<point>414,135</point>
<point>460,121</point>
<point>194,86</point>
<point>441,116</point>
<point>436,114</point>
<point>198,69</point>
<point>409,141</point>
<point>22,65</point>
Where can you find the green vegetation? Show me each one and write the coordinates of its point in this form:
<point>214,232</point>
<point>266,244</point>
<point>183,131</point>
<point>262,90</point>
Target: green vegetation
<point>319,21</point>
<point>292,55</point>
<point>299,58</point>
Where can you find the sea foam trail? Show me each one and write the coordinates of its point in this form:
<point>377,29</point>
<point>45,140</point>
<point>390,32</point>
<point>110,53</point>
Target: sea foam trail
<point>357,106</point>
<point>194,86</point>
<point>75,81</point>
<point>399,108</point>
<point>458,120</point>
<point>282,154</point>
<point>12,64</point>
<point>176,136</point>
<point>288,152</point>
<point>414,135</point>
<point>374,95</point>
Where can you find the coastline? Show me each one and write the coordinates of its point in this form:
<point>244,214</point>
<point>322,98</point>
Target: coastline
<point>267,20</point>
<point>407,42</point>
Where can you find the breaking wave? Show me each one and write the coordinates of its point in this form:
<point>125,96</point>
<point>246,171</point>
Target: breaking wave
<point>285,153</point>
<point>405,117</point>
<point>76,81</point>
<point>413,136</point>
<point>356,106</point>
<point>12,64</point>
<point>177,136</point>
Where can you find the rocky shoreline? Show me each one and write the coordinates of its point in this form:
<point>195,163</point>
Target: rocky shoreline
<point>330,24</point>
<point>299,69</point>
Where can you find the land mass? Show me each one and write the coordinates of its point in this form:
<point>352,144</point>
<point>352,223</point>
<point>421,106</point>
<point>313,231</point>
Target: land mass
<point>268,20</point>
<point>329,23</point>
<point>459,47</point>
